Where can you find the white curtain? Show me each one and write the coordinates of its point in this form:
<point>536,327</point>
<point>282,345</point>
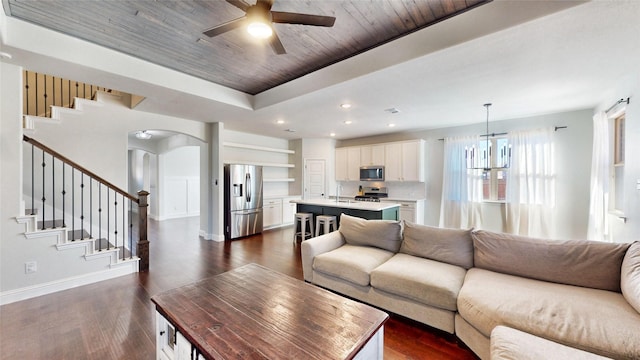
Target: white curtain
<point>461,188</point>
<point>530,189</point>
<point>600,160</point>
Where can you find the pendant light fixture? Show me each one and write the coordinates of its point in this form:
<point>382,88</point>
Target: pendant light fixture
<point>505,151</point>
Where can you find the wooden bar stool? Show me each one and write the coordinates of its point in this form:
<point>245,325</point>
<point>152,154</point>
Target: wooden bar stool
<point>303,219</point>
<point>327,221</point>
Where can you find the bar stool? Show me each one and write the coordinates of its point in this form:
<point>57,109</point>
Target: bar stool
<point>327,221</point>
<point>303,219</point>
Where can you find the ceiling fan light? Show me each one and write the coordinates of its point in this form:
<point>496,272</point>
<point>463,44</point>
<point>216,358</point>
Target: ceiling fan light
<point>260,30</point>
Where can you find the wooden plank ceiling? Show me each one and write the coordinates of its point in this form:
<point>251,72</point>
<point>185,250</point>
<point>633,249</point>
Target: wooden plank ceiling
<point>169,33</point>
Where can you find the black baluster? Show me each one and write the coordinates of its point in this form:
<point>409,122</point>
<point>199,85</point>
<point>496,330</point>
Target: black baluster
<point>26,87</point>
<point>53,90</point>
<point>37,112</point>
<point>43,190</point>
<point>84,90</point>
<point>45,95</point>
<point>61,94</point>
<point>69,90</point>
<point>53,190</point>
<point>64,193</point>
<point>33,181</point>
<point>77,85</point>
<point>81,205</point>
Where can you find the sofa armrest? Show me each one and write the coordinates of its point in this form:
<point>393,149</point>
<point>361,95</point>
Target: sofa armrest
<point>315,246</point>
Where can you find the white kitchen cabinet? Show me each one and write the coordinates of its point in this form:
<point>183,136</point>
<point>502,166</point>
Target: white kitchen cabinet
<point>372,155</point>
<point>404,161</point>
<point>272,213</point>
<point>170,343</point>
<point>392,163</point>
<point>347,164</point>
<point>288,210</point>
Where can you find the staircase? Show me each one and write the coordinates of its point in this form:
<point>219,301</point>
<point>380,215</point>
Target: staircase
<point>76,213</point>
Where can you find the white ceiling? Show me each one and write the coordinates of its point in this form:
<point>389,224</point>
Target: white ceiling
<point>573,57</point>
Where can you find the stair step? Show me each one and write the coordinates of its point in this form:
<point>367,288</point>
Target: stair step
<point>78,235</point>
<point>103,246</point>
<point>31,211</point>
<point>50,224</point>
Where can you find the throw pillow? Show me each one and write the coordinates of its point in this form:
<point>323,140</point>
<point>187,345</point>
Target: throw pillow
<point>591,264</point>
<point>452,246</point>
<point>630,276</point>
<point>383,234</point>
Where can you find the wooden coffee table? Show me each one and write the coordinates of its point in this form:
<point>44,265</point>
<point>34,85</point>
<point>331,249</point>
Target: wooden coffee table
<point>253,312</point>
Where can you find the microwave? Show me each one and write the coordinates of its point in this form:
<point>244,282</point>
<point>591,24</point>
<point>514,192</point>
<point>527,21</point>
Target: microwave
<point>372,173</point>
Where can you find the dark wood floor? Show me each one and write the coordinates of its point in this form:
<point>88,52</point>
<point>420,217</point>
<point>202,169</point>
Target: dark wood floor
<point>114,319</point>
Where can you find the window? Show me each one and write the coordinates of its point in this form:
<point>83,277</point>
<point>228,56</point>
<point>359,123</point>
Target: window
<point>617,172</point>
<point>494,169</point>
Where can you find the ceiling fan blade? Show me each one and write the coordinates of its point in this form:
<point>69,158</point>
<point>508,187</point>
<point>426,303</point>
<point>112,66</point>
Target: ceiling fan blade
<point>276,44</point>
<point>302,19</point>
<point>228,26</point>
<point>240,4</point>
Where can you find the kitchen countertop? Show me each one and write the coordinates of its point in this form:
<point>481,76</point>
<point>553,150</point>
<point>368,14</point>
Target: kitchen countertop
<point>348,204</point>
<point>387,198</point>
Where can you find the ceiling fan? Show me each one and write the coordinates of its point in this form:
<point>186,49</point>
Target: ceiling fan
<point>259,17</point>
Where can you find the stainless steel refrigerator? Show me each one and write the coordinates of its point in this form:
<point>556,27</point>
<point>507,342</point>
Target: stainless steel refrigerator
<point>242,200</point>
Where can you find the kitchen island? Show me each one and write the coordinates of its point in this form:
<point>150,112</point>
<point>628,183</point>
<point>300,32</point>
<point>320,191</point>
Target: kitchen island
<point>362,209</point>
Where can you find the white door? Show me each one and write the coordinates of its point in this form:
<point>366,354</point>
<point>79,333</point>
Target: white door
<point>314,178</point>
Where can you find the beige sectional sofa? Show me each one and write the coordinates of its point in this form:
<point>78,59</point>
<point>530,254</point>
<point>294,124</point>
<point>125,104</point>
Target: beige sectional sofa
<point>581,295</point>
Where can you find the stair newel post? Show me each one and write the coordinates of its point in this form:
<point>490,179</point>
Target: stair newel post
<point>64,192</point>
<point>73,202</point>
<point>124,232</point>
<point>53,191</point>
<point>33,181</point>
<point>43,190</point>
<point>81,206</point>
<point>108,222</point>
<point>90,208</point>
<point>115,218</point>
<point>130,229</point>
<point>100,215</point>
<point>143,242</point>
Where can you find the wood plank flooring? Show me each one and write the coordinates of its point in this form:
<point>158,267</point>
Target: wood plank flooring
<point>114,319</point>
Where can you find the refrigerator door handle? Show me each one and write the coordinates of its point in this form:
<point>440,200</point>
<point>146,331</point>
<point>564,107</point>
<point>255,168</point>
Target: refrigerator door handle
<point>247,181</point>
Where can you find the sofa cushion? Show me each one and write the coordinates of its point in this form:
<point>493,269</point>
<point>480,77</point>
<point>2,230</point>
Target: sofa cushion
<point>351,263</point>
<point>630,276</point>
<point>577,262</point>
<point>383,234</point>
<point>512,344</point>
<point>453,246</point>
<point>593,320</point>
<point>426,281</point>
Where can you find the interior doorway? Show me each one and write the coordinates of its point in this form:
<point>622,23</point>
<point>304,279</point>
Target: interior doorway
<point>314,178</point>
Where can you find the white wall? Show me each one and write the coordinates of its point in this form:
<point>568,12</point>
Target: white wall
<point>179,174</point>
<point>573,168</point>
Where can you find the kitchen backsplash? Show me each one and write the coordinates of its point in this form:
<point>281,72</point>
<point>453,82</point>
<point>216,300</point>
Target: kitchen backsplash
<point>397,190</point>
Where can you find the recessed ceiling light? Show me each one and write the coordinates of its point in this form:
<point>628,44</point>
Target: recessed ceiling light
<point>332,134</point>
<point>348,122</point>
<point>290,130</point>
<point>345,106</point>
<point>392,110</point>
<point>279,121</point>
<point>392,125</point>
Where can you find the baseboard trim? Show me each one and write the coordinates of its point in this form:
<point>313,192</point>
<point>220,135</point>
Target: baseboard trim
<point>7,297</point>
<point>203,234</point>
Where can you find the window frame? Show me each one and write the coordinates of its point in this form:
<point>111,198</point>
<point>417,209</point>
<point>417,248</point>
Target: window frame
<point>616,175</point>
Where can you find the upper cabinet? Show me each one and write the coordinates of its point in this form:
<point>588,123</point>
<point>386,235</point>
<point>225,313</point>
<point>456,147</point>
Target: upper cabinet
<point>372,155</point>
<point>403,161</point>
<point>348,164</point>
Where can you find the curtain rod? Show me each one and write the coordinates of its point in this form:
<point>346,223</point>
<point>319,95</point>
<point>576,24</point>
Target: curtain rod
<point>617,103</point>
<point>504,133</point>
